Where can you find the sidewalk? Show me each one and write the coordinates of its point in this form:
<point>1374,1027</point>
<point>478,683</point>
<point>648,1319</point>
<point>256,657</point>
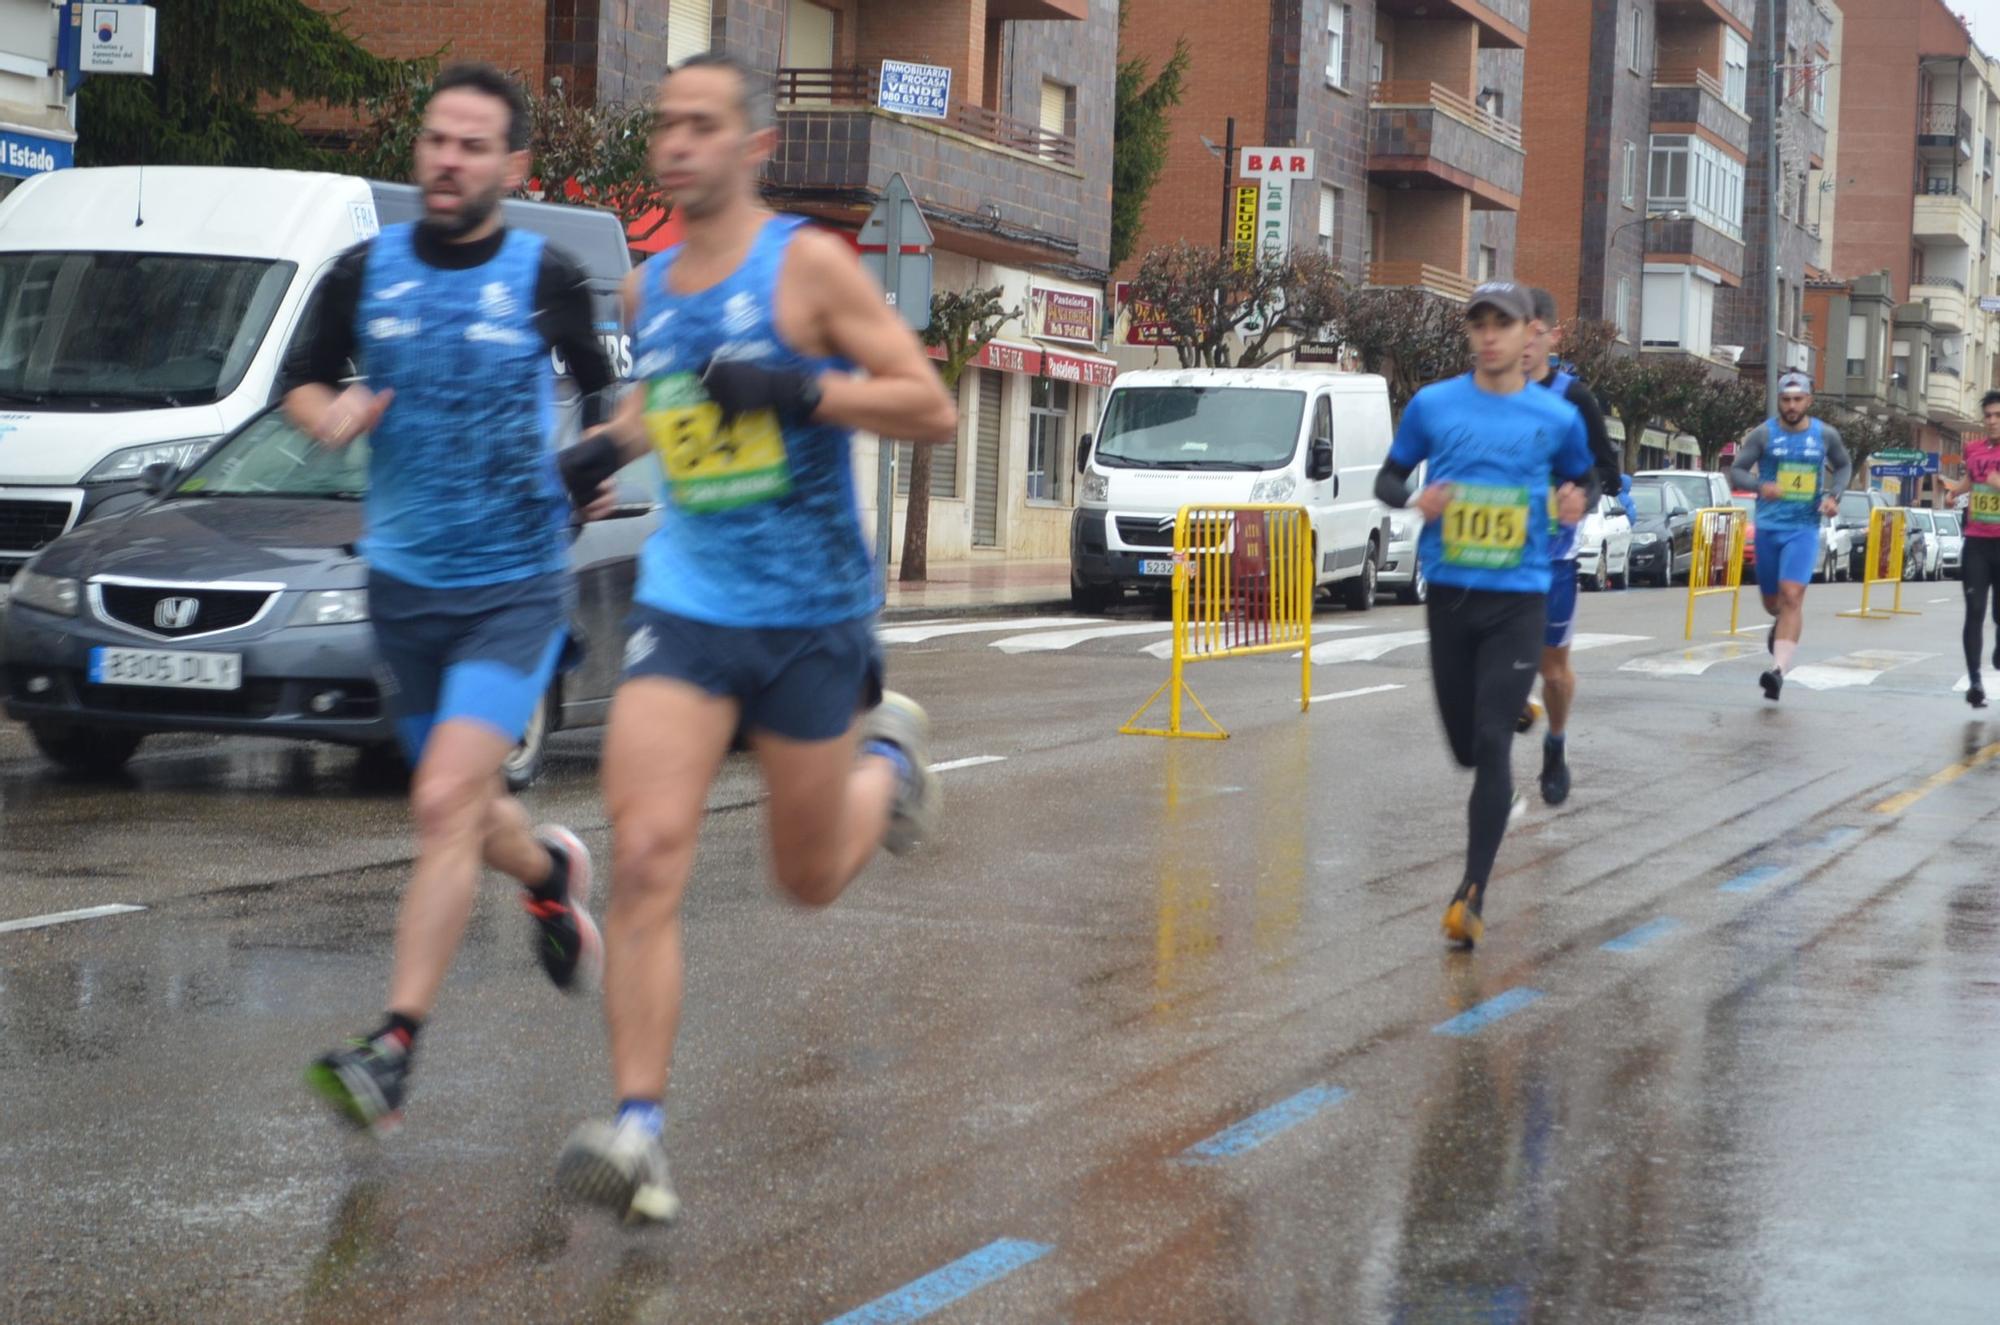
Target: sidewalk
<point>966,588</point>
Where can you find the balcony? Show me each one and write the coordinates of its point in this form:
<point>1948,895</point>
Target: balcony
<point>1690,241</point>
<point>1421,276</point>
<point>1422,135</point>
<point>1009,192</point>
<point>1683,97</point>
<point>1944,394</point>
<point>1502,23</point>
<point>1945,127</point>
<point>1946,297</point>
<point>1946,217</point>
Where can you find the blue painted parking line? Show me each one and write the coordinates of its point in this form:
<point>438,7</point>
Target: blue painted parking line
<point>1485,1014</point>
<point>940,1288</point>
<point>1751,879</point>
<point>1261,1126</point>
<point>1634,939</point>
<point>1836,837</point>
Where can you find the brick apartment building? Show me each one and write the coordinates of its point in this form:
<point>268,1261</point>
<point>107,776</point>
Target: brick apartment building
<point>1913,255</point>
<point>1015,181</point>
<point>1410,106</point>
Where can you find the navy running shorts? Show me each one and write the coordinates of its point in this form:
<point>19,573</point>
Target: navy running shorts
<point>483,653</point>
<point>1786,556</point>
<point>799,683</point>
<point>1560,624</point>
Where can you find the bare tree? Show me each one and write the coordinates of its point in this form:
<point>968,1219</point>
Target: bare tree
<point>1218,313</point>
<point>962,323</point>
<point>1410,336</point>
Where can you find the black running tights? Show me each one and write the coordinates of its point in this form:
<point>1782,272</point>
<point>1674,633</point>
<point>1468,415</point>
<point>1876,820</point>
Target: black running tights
<point>1485,650</point>
<point>1980,572</point>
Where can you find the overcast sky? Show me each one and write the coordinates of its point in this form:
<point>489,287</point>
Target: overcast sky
<point>1984,15</point>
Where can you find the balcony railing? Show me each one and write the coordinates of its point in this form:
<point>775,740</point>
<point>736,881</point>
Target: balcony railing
<point>808,89</point>
<point>1415,93</point>
<point>1690,76</point>
<point>1948,282</point>
<point>1946,122</point>
<point>1422,275</point>
<point>1943,188</point>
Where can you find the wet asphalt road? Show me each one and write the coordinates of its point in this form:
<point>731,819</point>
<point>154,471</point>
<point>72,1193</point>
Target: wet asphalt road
<point>1154,1031</point>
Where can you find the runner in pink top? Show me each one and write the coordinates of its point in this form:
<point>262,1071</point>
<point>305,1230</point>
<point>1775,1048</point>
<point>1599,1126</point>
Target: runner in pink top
<point>1981,571</point>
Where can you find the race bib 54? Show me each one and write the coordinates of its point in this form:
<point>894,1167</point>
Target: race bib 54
<point>714,464</point>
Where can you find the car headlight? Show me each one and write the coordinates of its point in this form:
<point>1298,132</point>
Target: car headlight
<point>1096,487</point>
<point>1644,540</point>
<point>126,466</point>
<point>48,593</point>
<point>331,607</point>
<point>1277,488</point>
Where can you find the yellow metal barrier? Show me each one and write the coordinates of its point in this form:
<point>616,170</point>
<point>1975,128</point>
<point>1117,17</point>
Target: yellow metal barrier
<point>1884,563</point>
<point>1717,566</point>
<point>1243,585</point>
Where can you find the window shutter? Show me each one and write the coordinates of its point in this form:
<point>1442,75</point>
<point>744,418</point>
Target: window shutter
<point>689,25</point>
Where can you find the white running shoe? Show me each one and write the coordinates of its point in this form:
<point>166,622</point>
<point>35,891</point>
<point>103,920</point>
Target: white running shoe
<point>622,1168</point>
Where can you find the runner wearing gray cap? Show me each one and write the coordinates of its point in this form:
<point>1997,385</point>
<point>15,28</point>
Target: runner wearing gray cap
<point>1785,461</point>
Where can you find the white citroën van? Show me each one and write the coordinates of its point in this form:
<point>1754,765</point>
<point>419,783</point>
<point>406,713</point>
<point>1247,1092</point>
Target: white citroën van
<point>1229,436</point>
<point>145,312</point>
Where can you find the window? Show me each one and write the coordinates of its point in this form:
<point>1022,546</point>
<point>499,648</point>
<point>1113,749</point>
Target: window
<point>1621,311</point>
<point>1637,58</point>
<point>1338,19</point>
<point>1629,178</point>
<point>1378,62</point>
<point>1057,116</point>
<point>1693,175</point>
<point>1489,262</point>
<point>1329,217</point>
<point>1048,431</point>
<point>1857,345</point>
<point>1819,91</point>
<point>690,24</point>
<point>1735,70</point>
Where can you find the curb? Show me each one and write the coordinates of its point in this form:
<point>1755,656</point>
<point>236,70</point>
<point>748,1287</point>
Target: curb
<point>889,616</point>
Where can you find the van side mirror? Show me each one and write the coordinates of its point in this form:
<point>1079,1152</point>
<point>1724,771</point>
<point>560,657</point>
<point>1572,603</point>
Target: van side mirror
<point>1319,464</point>
<point>157,477</point>
<point>1083,454</point>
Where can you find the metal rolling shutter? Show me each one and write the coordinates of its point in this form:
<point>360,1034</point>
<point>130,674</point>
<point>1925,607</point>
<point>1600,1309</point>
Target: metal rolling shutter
<point>986,462</point>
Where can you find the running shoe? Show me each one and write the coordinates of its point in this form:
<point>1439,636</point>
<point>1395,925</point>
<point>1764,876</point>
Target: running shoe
<point>1773,681</point>
<point>1463,925</point>
<point>1975,694</point>
<point>622,1168</point>
<point>566,938</point>
<point>1555,774</point>
<point>364,1083</point>
<point>1530,711</point>
<point>902,722</point>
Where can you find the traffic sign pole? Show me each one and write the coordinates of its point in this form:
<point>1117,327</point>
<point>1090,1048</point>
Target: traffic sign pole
<point>896,244</point>
<point>885,450</point>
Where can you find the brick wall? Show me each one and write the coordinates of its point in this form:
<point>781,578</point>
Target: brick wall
<point>947,32</point>
<point>1082,56</point>
<point>1334,123</point>
<point>1446,53</point>
<point>1554,102</point>
<point>1428,225</point>
<point>512,34</point>
<point>1226,77</point>
<point>1691,46</point>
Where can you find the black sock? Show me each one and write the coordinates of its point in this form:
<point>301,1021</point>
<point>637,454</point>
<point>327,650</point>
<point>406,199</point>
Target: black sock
<point>400,1028</point>
<point>555,888</point>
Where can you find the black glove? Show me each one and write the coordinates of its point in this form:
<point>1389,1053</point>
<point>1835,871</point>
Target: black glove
<point>742,387</point>
<point>586,466</point>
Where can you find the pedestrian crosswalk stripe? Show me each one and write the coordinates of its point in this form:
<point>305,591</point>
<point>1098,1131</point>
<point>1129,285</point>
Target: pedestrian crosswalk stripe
<point>918,634</point>
<point>1356,694</point>
<point>1851,669</point>
<point>1585,640</point>
<point>1367,648</point>
<point>1049,641</point>
<point>1691,662</point>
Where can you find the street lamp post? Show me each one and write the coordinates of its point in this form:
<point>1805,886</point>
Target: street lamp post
<point>1228,154</point>
<point>1673,215</point>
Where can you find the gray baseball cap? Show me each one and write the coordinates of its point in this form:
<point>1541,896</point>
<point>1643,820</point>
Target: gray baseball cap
<point>1503,297</point>
<point>1795,384</point>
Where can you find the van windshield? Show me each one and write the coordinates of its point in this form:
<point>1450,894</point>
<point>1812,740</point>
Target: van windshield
<point>122,331</point>
<point>1200,427</point>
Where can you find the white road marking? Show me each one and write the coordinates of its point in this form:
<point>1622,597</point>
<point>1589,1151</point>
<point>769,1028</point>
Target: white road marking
<point>1851,669</point>
<point>974,761</point>
<point>1050,640</point>
<point>1964,684</point>
<point>1691,662</point>
<point>1352,694</point>
<point>1585,640</point>
<point>917,634</point>
<point>64,917</point>
<point>1367,648</point>
<point>1941,600</point>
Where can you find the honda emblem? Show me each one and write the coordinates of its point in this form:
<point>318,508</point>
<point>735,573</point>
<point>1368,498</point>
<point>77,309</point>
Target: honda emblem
<point>175,613</point>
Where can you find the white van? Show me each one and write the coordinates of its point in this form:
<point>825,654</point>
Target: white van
<point>1230,436</point>
<point>146,312</point>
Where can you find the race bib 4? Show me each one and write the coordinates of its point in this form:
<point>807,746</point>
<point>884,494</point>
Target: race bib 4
<point>713,464</point>
<point>1797,481</point>
<point>1485,528</point>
